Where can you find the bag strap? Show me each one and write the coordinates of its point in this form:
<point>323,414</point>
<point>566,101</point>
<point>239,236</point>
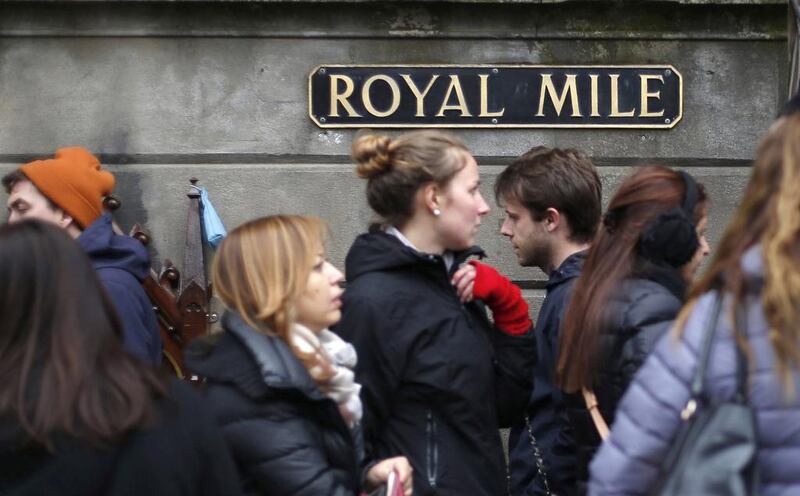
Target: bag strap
<point>705,353</point>
<point>537,455</point>
<point>741,359</point>
<point>696,387</point>
<point>594,410</point>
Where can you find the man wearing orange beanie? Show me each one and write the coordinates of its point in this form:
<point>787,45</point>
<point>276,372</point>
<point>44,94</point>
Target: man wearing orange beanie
<point>67,190</point>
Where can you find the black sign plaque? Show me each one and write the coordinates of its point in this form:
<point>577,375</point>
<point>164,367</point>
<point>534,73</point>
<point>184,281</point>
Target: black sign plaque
<point>501,96</point>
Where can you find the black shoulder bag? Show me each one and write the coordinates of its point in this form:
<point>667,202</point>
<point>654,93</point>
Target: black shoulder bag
<point>715,450</point>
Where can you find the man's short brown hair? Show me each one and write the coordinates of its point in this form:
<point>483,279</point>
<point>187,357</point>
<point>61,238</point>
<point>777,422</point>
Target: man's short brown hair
<point>12,178</point>
<point>563,179</point>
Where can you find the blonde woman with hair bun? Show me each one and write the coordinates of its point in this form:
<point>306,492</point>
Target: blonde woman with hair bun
<point>438,379</point>
<point>281,384</point>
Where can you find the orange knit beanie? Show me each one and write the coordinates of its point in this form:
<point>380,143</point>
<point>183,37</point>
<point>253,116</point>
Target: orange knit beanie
<point>73,181</point>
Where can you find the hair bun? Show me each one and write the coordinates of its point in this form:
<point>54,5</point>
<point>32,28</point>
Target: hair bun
<point>371,155</point>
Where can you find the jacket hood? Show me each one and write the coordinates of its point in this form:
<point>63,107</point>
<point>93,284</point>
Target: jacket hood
<point>109,250</point>
<point>376,251</point>
<point>275,364</point>
<point>570,268</point>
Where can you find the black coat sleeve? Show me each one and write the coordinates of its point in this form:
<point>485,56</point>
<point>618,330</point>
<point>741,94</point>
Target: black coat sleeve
<point>514,360</point>
<point>279,453</point>
<point>183,453</point>
<point>217,472</point>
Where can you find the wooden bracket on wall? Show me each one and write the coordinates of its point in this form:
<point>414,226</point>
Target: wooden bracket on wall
<point>180,301</point>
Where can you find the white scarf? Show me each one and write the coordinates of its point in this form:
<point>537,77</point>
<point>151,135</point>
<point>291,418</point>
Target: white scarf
<point>341,387</point>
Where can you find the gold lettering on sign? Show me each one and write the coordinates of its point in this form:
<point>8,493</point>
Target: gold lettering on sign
<point>337,98</point>
<point>570,89</point>
<point>420,96</point>
<point>647,95</point>
<point>485,99</point>
<point>368,100</point>
<point>455,85</point>
<point>595,103</point>
<point>615,112</point>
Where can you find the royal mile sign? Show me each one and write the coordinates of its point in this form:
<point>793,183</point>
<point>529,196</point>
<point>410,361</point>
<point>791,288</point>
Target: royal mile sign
<point>495,96</point>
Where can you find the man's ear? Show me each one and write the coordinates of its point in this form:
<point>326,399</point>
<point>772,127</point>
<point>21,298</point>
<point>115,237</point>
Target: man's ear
<point>66,222</point>
<point>552,219</point>
<point>64,219</point>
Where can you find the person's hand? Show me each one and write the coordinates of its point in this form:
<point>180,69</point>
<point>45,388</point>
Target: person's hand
<point>379,473</point>
<point>464,282</point>
<point>509,309</point>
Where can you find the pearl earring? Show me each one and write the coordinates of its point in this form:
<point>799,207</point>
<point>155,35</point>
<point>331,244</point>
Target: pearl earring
<point>437,212</point>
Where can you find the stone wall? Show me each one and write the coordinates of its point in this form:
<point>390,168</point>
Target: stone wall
<point>218,90</point>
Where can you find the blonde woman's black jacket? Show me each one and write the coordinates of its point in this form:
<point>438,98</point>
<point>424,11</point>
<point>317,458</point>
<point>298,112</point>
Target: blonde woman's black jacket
<point>287,438</point>
<point>438,380</point>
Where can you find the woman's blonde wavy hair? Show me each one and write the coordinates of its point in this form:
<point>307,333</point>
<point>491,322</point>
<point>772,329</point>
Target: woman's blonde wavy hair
<point>769,215</point>
<point>261,269</point>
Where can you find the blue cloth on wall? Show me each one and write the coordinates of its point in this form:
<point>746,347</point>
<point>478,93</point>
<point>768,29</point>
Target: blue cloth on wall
<point>213,227</point>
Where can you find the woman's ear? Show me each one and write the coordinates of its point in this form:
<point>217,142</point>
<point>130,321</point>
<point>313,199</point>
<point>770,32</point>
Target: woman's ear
<point>431,198</point>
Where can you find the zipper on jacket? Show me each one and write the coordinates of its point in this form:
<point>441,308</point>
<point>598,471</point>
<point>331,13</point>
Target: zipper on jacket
<point>432,451</point>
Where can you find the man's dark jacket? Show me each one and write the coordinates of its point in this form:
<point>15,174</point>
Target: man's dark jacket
<point>182,453</point>
<point>546,408</point>
<point>287,437</point>
<point>122,263</point>
<point>438,380</point>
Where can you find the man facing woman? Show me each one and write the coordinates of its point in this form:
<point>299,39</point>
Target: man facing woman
<point>632,287</point>
<point>280,383</point>
<point>438,378</point>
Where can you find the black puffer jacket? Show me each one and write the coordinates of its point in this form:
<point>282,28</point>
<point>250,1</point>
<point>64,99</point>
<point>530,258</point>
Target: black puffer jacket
<point>438,380</point>
<point>638,315</point>
<point>286,437</point>
<point>181,454</point>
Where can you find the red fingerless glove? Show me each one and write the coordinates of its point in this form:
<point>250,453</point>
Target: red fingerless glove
<point>504,298</point>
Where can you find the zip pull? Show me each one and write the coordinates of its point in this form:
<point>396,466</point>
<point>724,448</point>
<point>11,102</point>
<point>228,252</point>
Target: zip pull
<point>689,409</point>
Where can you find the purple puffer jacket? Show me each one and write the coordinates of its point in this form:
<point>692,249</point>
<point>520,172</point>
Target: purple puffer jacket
<point>648,418</point>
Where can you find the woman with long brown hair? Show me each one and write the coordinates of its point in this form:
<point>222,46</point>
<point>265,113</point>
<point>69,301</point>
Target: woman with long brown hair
<point>632,287</point>
<point>279,381</point>
<point>79,415</point>
<point>756,274</point>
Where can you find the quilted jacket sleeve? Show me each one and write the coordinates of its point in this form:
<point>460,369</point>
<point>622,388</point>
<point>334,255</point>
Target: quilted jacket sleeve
<point>648,319</point>
<point>279,454</point>
<point>648,417</point>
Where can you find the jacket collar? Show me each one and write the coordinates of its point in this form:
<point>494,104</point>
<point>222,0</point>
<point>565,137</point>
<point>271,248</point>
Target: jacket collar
<point>109,250</point>
<point>277,365</point>
<point>666,275</point>
<point>378,251</point>
<point>570,268</point>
